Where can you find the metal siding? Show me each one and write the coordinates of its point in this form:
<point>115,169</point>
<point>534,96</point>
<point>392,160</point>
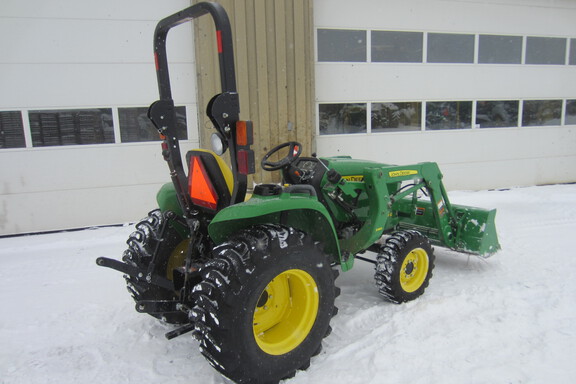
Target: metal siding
<point>274,64</point>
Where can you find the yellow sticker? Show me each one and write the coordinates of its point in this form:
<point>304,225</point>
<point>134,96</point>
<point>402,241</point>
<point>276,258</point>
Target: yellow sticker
<point>404,172</point>
<point>357,178</point>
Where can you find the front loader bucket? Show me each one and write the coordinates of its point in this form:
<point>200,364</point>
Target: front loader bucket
<point>476,230</point>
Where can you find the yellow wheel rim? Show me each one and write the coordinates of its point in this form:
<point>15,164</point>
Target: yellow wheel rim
<point>414,270</point>
<point>177,258</point>
<point>285,312</point>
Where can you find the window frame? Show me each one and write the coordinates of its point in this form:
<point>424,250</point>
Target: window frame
<point>344,104</point>
<point>7,119</point>
<point>435,51</point>
<point>330,58</point>
<point>418,54</point>
<point>496,40</point>
<point>70,120</point>
<point>127,134</point>
<point>536,44</point>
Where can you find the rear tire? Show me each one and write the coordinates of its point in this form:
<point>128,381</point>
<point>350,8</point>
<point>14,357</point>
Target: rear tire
<point>141,245</point>
<point>264,305</point>
<point>404,266</point>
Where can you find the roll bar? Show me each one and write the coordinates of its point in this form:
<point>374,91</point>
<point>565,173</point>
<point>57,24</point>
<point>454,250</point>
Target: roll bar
<point>224,42</point>
<point>223,109</point>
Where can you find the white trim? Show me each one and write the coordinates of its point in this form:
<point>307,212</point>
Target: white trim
<point>116,126</point>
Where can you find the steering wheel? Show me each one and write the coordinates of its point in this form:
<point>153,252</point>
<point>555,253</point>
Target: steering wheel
<point>293,153</point>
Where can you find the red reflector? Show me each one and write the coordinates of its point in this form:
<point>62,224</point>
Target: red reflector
<point>200,187</point>
<point>245,159</point>
<point>219,40</point>
<point>156,61</point>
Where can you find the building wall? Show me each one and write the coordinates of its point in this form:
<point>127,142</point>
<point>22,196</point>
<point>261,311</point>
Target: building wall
<point>274,69</point>
<point>471,157</point>
<point>71,55</point>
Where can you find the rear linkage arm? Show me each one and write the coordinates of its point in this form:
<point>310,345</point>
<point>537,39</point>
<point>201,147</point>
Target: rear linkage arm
<point>145,274</point>
<point>139,273</point>
<point>183,277</point>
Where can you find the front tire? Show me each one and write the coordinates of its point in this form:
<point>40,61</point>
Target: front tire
<point>404,266</point>
<point>264,304</point>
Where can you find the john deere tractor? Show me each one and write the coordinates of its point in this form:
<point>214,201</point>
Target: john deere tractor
<point>253,279</point>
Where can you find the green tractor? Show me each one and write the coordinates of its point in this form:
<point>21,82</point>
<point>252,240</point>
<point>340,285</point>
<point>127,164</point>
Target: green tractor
<point>253,278</point>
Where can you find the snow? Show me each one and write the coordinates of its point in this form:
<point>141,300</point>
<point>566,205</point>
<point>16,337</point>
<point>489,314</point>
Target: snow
<point>507,319</point>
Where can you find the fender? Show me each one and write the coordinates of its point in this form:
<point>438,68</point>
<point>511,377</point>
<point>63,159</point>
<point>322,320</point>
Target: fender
<point>297,210</point>
<point>168,200</point>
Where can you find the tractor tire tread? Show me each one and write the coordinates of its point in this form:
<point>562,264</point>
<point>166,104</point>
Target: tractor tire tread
<point>224,281</point>
<point>141,245</point>
<point>389,261</point>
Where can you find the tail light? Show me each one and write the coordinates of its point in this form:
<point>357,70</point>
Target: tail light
<point>244,155</point>
<point>244,133</point>
<point>245,161</point>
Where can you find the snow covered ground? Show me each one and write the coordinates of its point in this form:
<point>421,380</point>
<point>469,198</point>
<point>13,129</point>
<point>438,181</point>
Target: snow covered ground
<point>508,319</point>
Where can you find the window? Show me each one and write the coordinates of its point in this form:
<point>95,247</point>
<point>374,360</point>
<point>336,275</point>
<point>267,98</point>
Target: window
<point>342,118</point>
<point>572,52</point>
<point>11,130</point>
<point>136,127</point>
<point>500,49</point>
<point>570,117</point>
<point>450,48</point>
<point>341,45</point>
<point>71,127</point>
<point>545,50</point>
<point>541,112</point>
<point>386,117</point>
<point>397,47</point>
<point>448,115</point>
<point>393,117</point>
<point>491,114</point>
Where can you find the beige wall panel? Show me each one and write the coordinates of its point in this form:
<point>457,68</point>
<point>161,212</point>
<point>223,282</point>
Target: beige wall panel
<point>273,44</point>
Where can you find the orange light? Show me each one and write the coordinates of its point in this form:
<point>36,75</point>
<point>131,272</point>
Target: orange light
<point>244,133</point>
<point>201,190</point>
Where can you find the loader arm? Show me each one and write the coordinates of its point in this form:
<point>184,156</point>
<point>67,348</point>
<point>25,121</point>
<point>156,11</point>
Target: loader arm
<point>458,227</point>
<point>393,200</point>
